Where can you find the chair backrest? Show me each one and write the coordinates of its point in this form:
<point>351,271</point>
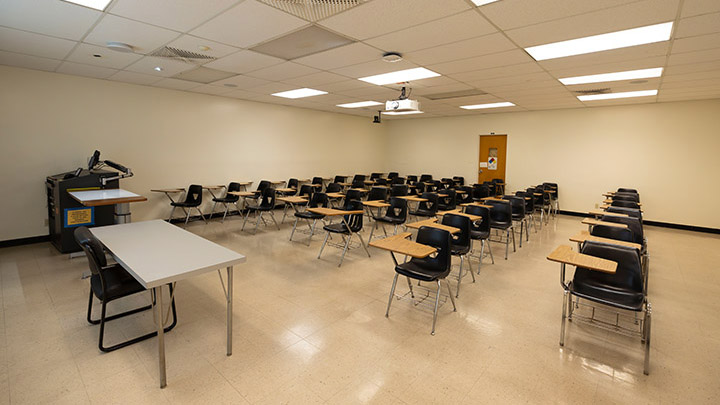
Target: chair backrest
<point>484,212</point>
<point>377,193</point>
<point>397,180</point>
<point>268,198</point>
<point>633,212</point>
<point>440,240</point>
<point>92,247</point>
<point>381,182</point>
<point>358,183</point>
<point>263,185</point>
<point>399,190</point>
<point>612,232</point>
<point>498,181</point>
<point>233,186</point>
<point>425,177</point>
<point>412,179</point>
<point>501,211</point>
<point>352,195</point>
<point>374,176</point>
<point>467,196</point>
<point>447,182</point>
<point>398,209</point>
<point>626,197</point>
<point>319,200</point>
<point>459,179</point>
<point>461,222</point>
<point>339,179</point>
<point>626,204</point>
<point>317,180</point>
<point>449,198</point>
<point>627,190</point>
<point>517,204</point>
<point>194,195</point>
<point>306,190</point>
<point>392,175</point>
<point>354,221</point>
<point>627,277</point>
<point>333,188</point>
<point>431,204</point>
<point>529,200</point>
<point>360,177</point>
<point>293,183</point>
<point>633,224</point>
<point>480,191</point>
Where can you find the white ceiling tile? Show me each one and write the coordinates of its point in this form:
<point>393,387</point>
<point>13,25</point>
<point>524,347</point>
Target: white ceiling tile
<point>28,61</point>
<point>143,38</point>
<point>210,89</point>
<point>695,7</point>
<point>195,44</point>
<point>243,62</point>
<point>711,74</point>
<point>606,57</point>
<point>458,27</point>
<point>508,14</point>
<point>693,67</point>
<point>619,86</point>
<point>77,69</point>
<point>339,57</point>
<point>283,71</point>
<point>470,100</point>
<point>316,79</point>
<point>441,89</point>
<point>635,64</point>
<point>375,67</point>
<point>698,25</point>
<point>272,87</point>
<point>49,17</point>
<point>697,43</point>
<point>84,53</point>
<point>493,75</point>
<point>34,44</point>
<point>147,65</point>
<point>178,15</point>
<point>632,15</point>
<point>706,55</point>
<point>247,24</point>
<point>687,97</point>
<point>135,78</point>
<point>512,57</point>
<point>347,85</point>
<point>620,101</point>
<point>689,84</point>
<point>242,81</point>
<point>381,17</point>
<point>468,48</point>
<point>176,84</point>
<point>241,94</point>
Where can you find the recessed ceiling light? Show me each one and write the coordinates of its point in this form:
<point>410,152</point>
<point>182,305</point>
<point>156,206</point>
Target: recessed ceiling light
<point>626,94</point>
<point>401,112</point>
<point>96,4</point>
<point>489,105</point>
<point>400,76</point>
<point>613,77</point>
<point>602,42</point>
<point>299,93</point>
<point>359,104</point>
<point>158,69</point>
<point>482,2</point>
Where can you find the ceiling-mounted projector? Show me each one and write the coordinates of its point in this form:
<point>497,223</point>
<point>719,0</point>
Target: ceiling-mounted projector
<point>402,105</point>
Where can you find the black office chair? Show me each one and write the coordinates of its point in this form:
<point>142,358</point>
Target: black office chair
<point>267,204</point>
<point>227,199</point>
<point>626,204</point>
<point>399,190</point>
<point>612,232</point>
<point>397,180</point>
<point>350,196</point>
<point>396,214</point>
<point>501,219</point>
<point>627,190</point>
<point>466,197</point>
<point>459,180</point>
<point>427,208</point>
<point>317,200</point>
<point>306,191</point>
<point>460,244</point>
<point>430,269</point>
<point>411,179</point>
<point>358,183</point>
<point>377,194</point>
<point>480,192</point>
<point>193,199</point>
<point>480,230</point>
<point>393,175</point>
<point>340,179</point>
<point>350,225</point>
<point>109,282</point>
<point>622,291</point>
<point>447,199</point>
<point>518,214</point>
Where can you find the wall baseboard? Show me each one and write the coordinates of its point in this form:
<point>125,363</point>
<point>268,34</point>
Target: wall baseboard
<point>654,223</point>
<point>24,241</point>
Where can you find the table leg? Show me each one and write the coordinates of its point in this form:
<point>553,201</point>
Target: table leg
<point>122,213</point>
<point>161,335</point>
<point>229,309</point>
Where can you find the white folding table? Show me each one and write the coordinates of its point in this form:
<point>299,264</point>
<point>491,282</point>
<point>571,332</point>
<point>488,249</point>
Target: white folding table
<point>157,253</point>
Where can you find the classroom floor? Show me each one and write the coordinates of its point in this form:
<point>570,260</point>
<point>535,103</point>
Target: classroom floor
<point>306,331</point>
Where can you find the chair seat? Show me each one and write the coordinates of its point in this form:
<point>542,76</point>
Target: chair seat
<point>338,227</point>
<point>184,204</point>
<point>261,208</point>
<point>423,213</point>
<point>118,283</point>
<point>500,225</point>
<point>418,272</point>
<point>226,199</point>
<point>479,234</point>
<point>309,215</point>
<point>459,249</point>
<point>608,295</point>
<point>390,220</point>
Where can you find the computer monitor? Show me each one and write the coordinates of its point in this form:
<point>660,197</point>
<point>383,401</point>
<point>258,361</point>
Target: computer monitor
<point>94,159</point>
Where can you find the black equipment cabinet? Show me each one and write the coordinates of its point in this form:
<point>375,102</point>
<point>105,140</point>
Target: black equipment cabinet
<point>59,201</point>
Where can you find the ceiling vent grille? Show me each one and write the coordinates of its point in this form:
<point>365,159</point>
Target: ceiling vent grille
<point>588,92</point>
<point>181,55</point>
<point>313,10</point>
<point>455,94</point>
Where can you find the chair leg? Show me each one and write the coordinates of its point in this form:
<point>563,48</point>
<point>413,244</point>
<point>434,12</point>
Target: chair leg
<point>507,242</point>
<point>257,223</point>
<point>482,252</point>
<point>323,245</point>
<point>383,228</point>
<point>227,208</point>
<point>646,327</point>
<point>437,303</point>
<point>457,294</point>
<point>489,246</point>
<point>212,211</point>
<point>247,214</point>
<point>447,283</point>
<point>392,294</point>
<point>372,230</point>
<point>272,216</point>
<point>201,214</point>
<point>512,231</point>
<point>564,315</point>
<point>294,227</point>
<point>187,217</point>
<point>521,234</point>
<point>363,243</point>
<point>171,214</point>
<point>470,267</point>
<point>347,243</point>
<point>412,293</point>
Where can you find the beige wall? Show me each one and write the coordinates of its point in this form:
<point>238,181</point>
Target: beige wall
<point>51,123</point>
<point>670,152</point>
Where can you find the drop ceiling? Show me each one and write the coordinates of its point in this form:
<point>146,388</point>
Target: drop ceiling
<point>477,50</point>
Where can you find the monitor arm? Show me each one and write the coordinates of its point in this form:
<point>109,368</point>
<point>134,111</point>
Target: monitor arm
<point>124,172</point>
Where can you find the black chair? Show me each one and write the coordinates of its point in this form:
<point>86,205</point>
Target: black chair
<point>459,180</point>
<point>306,190</point>
<point>378,194</point>
<point>261,187</point>
<point>518,214</point>
<point>358,183</point>
<point>193,199</point>
<point>396,214</point>
<point>393,175</point>
<point>340,179</point>
<point>480,230</point>
<point>426,178</point>
<point>381,182</point>
<point>529,199</point>
<point>429,269</point>
<point>399,190</point>
<point>267,204</point>
<point>447,199</point>
<point>374,176</point>
<point>621,291</point>
<point>411,179</point>
<point>350,225</point>
<point>350,196</point>
<point>626,204</point>
<point>467,196</point>
<point>501,219</point>
<point>499,188</point>
<point>612,232</point>
<point>626,197</point>
<point>109,282</point>
<point>397,180</point>
<point>317,181</point>
<point>427,208</point>
<point>227,199</point>
<point>460,244</point>
<point>293,184</point>
<point>317,200</point>
<point>554,195</point>
<point>360,177</point>
<point>633,212</point>
<point>480,192</point>
<point>627,190</point>
<point>447,182</point>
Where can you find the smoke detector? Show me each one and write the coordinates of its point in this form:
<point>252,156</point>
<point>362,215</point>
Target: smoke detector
<point>392,57</point>
<point>120,47</point>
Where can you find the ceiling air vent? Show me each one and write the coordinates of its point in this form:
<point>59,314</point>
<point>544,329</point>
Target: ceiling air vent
<point>455,94</point>
<point>181,55</point>
<point>313,10</point>
<point>592,91</point>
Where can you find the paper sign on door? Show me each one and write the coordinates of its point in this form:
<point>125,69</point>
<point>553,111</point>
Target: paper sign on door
<point>492,163</point>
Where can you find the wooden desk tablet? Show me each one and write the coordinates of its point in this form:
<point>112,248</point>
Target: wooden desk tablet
<point>605,207</point>
<point>611,201</point>
<point>494,198</point>
<point>335,195</point>
<point>412,198</point>
<point>243,193</point>
<point>593,222</point>
<point>432,223</point>
<point>478,204</point>
<point>293,199</point>
<point>460,192</point>
<point>585,236</point>
<point>458,212</point>
<point>599,213</point>
<point>214,187</point>
<point>285,190</point>
<point>564,254</point>
<point>401,244</point>
<point>361,190</point>
<point>277,181</point>
<point>375,204</point>
<point>332,212</point>
<point>168,190</point>
<point>345,184</point>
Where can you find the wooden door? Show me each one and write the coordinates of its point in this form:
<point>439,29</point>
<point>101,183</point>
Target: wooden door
<point>492,146</point>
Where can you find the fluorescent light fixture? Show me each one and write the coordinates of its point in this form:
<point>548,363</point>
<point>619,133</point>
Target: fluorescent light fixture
<point>482,2</point>
<point>359,104</point>
<point>300,93</point>
<point>490,105</point>
<point>602,42</point>
<point>642,93</point>
<point>613,77</point>
<point>400,76</point>
<point>96,4</point>
<point>401,112</point>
